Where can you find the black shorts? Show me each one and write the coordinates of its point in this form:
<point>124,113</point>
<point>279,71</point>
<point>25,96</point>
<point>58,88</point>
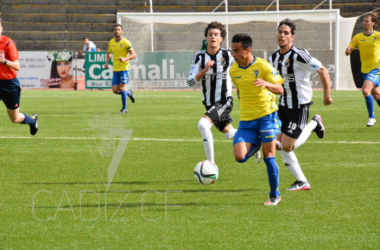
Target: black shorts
<point>293,120</point>
<point>10,93</point>
<point>219,113</point>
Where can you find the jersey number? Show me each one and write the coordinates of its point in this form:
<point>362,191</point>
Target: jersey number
<point>292,126</point>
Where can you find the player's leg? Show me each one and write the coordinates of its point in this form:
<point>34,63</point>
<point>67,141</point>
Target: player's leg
<point>224,123</point>
<point>246,141</point>
<point>291,131</point>
<point>118,87</point>
<point>366,90</point>
<point>11,99</point>
<point>376,88</point>
<point>204,126</point>
<point>268,131</point>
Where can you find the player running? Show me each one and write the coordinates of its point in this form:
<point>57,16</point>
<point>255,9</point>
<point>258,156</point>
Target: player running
<point>122,52</point>
<point>295,66</point>
<point>368,44</point>
<point>210,68</point>
<point>256,82</point>
<point>10,90</point>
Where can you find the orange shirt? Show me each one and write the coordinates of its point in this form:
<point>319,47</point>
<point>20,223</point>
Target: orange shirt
<point>8,47</point>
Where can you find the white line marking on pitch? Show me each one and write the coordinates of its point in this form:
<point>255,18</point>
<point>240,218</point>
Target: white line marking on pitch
<point>170,140</point>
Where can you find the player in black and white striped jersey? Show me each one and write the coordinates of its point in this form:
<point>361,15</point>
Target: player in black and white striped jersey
<point>210,69</point>
<point>295,66</point>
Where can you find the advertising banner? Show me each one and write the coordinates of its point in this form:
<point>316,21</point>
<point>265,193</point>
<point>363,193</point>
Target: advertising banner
<point>46,69</point>
<point>150,70</point>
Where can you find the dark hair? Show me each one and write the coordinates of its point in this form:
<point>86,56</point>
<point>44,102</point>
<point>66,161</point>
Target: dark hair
<point>84,38</point>
<point>117,25</point>
<point>216,25</point>
<point>374,17</point>
<point>53,71</point>
<point>244,39</point>
<point>289,23</point>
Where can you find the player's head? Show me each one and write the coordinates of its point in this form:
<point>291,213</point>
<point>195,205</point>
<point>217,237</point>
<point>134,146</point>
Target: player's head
<point>370,20</point>
<point>215,32</point>
<point>86,40</point>
<point>118,30</point>
<point>285,34</point>
<point>241,47</point>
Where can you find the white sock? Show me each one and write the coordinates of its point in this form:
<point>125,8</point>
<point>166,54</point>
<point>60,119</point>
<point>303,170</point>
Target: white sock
<point>230,134</point>
<point>291,162</point>
<point>305,133</point>
<point>204,127</point>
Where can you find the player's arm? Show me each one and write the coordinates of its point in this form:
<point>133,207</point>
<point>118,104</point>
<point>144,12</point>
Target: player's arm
<point>11,64</point>
<point>108,58</point>
<point>194,71</point>
<point>275,88</point>
<point>132,55</point>
<point>325,79</point>
<point>351,47</point>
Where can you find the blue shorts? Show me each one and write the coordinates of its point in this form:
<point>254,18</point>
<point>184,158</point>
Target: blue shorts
<point>10,93</point>
<point>262,130</point>
<point>121,77</point>
<point>373,76</point>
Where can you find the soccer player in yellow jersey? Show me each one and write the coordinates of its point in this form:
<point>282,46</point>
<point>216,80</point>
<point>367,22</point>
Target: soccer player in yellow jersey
<point>122,52</point>
<point>256,82</point>
<point>368,44</point>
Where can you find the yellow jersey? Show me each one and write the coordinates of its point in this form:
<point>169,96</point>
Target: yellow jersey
<point>254,101</point>
<point>369,47</point>
<point>120,49</point>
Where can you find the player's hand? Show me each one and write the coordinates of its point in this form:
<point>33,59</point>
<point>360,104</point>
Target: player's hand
<point>2,57</point>
<point>106,66</point>
<point>327,100</point>
<point>348,51</point>
<point>261,83</point>
<point>122,59</point>
<point>209,64</point>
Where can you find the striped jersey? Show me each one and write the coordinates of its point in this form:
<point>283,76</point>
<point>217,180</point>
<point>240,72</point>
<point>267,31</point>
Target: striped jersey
<point>216,83</point>
<point>295,67</point>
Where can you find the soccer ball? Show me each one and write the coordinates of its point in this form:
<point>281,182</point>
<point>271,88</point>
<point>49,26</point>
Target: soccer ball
<point>206,172</point>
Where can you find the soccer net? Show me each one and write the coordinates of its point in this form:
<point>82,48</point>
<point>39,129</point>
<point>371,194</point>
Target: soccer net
<point>165,42</point>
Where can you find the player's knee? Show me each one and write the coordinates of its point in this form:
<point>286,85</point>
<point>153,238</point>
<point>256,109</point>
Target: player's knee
<point>204,125</point>
<point>287,148</point>
<point>366,91</point>
<point>240,158</point>
<point>230,134</point>
<point>115,91</point>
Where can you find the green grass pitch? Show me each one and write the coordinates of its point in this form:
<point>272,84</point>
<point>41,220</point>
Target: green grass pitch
<point>53,186</point>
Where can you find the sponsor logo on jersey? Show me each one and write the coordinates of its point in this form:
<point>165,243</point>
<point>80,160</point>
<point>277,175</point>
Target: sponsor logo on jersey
<point>237,77</point>
<point>287,63</point>
<point>121,45</point>
<point>374,39</point>
<point>223,61</point>
<point>274,72</point>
